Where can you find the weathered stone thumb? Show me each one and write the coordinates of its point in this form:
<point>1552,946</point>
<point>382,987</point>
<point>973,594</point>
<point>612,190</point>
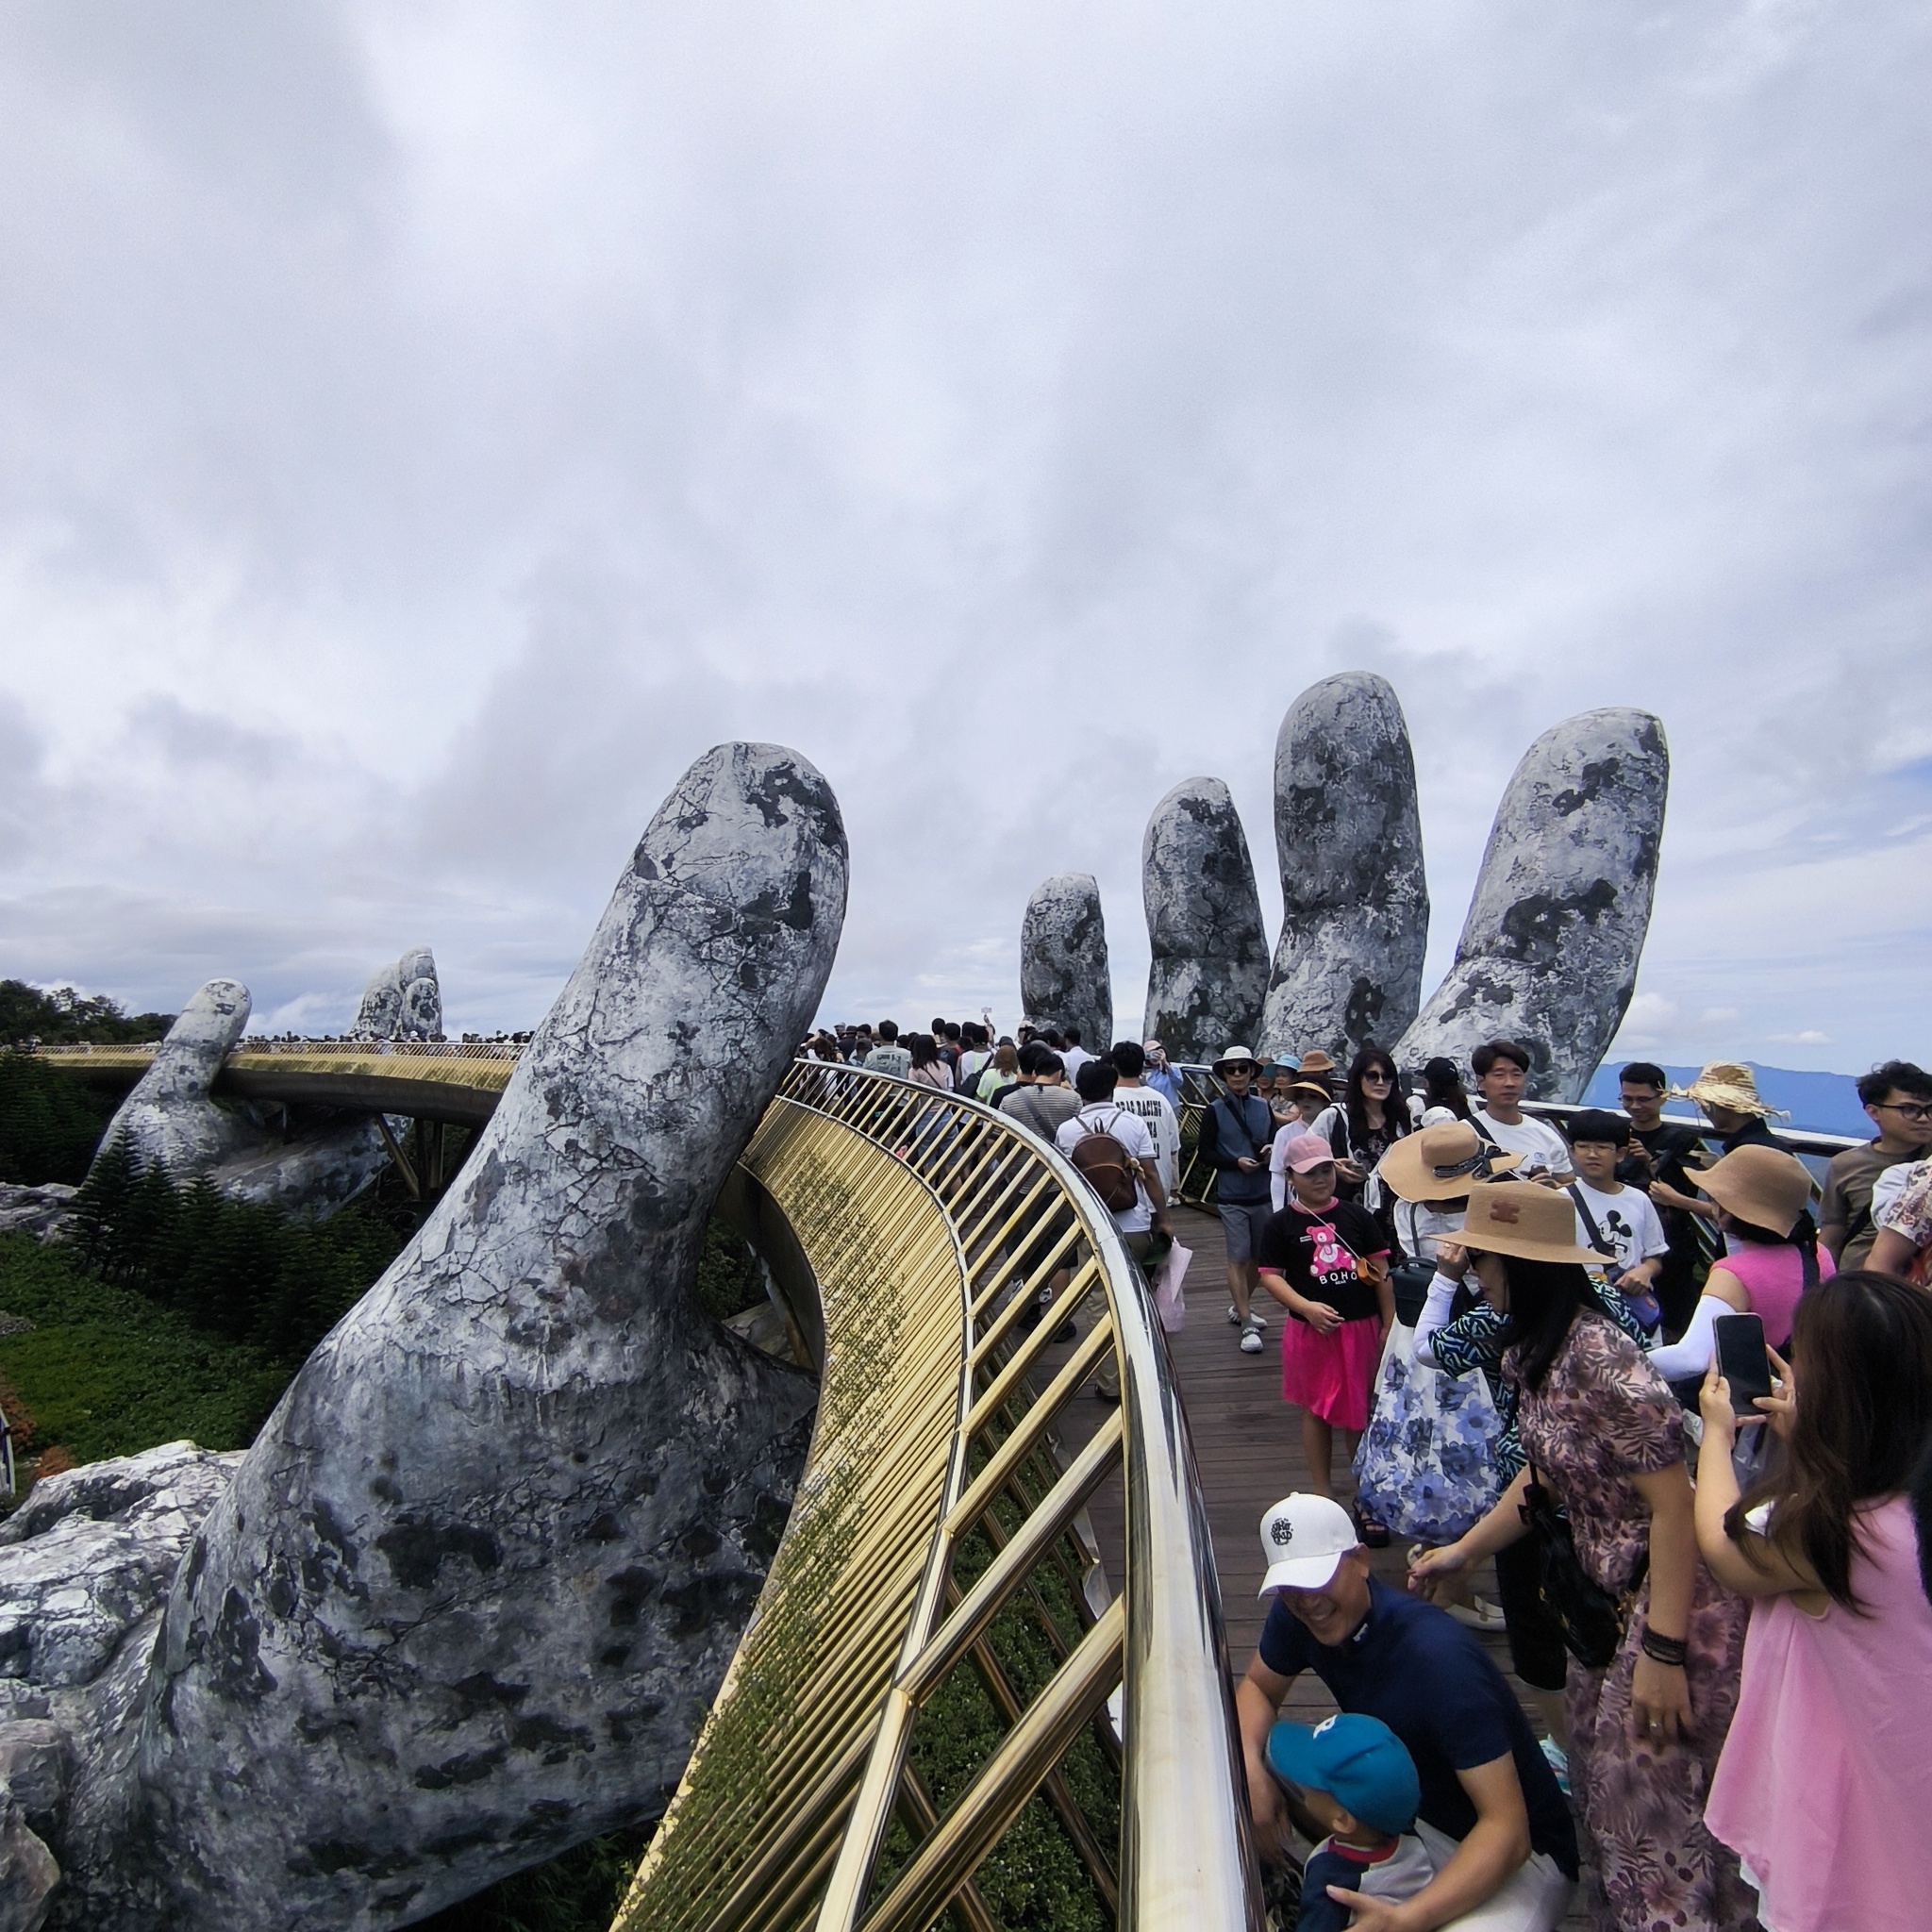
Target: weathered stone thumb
<point>169,1119</point>
<point>476,1583</point>
<point>1555,927</point>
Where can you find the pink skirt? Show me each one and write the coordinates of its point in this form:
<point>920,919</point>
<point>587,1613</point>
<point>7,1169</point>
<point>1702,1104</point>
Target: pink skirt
<point>1331,1376</point>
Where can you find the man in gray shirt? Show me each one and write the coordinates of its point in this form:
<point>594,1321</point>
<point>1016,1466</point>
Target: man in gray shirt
<point>889,1056</point>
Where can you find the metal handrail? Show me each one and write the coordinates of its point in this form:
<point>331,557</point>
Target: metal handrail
<point>127,1053</point>
<point>910,1206</point>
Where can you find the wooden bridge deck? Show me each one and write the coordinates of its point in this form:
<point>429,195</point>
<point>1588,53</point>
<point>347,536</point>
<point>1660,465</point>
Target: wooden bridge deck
<point>1247,1441</point>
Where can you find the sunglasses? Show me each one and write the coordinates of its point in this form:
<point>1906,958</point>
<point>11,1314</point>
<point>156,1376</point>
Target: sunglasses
<point>1379,1079</point>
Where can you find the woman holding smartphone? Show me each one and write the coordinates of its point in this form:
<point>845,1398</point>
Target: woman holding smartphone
<point>1824,1787</point>
<point>1601,1428</point>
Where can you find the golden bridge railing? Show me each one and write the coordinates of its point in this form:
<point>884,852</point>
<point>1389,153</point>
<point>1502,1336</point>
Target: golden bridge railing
<point>939,1548</point>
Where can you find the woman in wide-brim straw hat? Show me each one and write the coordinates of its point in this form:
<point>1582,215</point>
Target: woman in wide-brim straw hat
<point>1443,1162</point>
<point>1601,1428</point>
<point>1764,1199</point>
<point>1728,1092</point>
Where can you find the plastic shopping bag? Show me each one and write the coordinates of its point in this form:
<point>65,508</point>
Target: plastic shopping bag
<point>1170,1300</point>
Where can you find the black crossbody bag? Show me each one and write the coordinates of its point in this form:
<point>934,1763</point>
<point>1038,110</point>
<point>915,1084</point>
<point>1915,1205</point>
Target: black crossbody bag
<point>1592,1619</point>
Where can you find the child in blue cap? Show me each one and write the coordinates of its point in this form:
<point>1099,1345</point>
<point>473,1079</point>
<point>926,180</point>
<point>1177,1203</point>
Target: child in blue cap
<point>1355,1777</point>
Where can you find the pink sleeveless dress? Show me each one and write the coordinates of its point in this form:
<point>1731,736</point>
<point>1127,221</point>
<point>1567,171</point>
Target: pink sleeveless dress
<point>1773,1277</point>
<point>1824,1787</point>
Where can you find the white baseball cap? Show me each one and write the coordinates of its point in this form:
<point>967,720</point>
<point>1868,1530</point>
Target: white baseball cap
<point>1302,1541</point>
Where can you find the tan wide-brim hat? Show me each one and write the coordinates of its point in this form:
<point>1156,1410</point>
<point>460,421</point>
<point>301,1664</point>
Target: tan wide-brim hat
<point>1310,1087</point>
<point>1520,1217</point>
<point>1441,1162</point>
<point>1728,1084</point>
<point>1764,1186</point>
<point>1316,1062</point>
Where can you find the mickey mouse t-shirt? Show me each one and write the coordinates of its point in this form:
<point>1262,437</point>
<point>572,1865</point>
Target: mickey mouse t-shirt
<point>1319,1255</point>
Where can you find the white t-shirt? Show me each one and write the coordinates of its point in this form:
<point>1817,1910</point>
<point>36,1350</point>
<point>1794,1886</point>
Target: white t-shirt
<point>1626,1220</point>
<point>1130,1131</point>
<point>1152,1107</point>
<point>889,1059</point>
<point>1073,1059</point>
<point>1890,1187</point>
<point>1286,1134</point>
<point>1541,1147</point>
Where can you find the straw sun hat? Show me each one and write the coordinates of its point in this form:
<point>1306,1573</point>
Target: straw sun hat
<point>1763,1186</point>
<point>1520,1217</point>
<point>1728,1084</point>
<point>1441,1161</point>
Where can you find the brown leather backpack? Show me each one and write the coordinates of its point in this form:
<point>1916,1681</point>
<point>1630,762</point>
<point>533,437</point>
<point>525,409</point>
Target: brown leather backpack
<point>1108,1167</point>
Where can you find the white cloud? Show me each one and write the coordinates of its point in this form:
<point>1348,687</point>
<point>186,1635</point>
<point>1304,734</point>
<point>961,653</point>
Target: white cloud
<point>425,430</point>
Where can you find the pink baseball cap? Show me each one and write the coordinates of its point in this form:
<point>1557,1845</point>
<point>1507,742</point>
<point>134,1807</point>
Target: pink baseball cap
<point>1309,1150</point>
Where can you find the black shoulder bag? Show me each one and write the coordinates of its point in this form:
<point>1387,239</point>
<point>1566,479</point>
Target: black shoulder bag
<point>1591,1618</point>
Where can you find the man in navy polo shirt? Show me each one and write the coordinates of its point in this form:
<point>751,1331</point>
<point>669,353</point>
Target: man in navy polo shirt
<point>1491,1814</point>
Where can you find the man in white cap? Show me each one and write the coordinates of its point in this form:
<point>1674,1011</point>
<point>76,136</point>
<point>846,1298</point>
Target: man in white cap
<point>1491,1814</point>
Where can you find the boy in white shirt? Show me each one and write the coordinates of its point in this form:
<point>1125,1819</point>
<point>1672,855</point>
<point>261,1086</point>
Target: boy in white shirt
<point>1619,1223</point>
<point>1131,1061</point>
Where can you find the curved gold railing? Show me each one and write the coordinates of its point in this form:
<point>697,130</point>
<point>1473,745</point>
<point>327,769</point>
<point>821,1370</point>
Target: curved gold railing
<point>938,1547</point>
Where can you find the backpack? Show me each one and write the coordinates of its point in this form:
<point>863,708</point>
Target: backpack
<point>1108,1167</point>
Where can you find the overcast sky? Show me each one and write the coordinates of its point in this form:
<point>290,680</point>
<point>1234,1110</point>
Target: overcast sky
<point>424,428</point>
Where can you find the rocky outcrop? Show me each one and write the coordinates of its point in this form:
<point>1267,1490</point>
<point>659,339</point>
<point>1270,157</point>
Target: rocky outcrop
<point>85,1563</point>
<point>1549,951</point>
<point>473,1589</point>
<point>1209,969</point>
<point>45,1212</point>
<point>1064,977</point>
<point>403,1001</point>
<point>1348,965</point>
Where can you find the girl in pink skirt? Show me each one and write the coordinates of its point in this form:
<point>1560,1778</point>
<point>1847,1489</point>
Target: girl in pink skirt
<point>1326,1262</point>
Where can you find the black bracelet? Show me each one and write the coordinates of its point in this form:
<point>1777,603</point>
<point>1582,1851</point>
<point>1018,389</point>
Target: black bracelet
<point>1665,1650</point>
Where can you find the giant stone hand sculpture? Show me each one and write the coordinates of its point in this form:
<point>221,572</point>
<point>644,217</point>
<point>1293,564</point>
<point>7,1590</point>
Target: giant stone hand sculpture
<point>1064,977</point>
<point>472,1589</point>
<point>403,1001</point>
<point>1209,969</point>
<point>1348,965</point>
<point>1549,951</point>
<point>171,1120</point>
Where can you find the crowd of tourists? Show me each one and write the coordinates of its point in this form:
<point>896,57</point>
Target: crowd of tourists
<point>1671,1388</point>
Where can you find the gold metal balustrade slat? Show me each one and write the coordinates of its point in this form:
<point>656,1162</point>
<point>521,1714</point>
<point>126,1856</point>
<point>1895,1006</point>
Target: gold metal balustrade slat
<point>934,1448</point>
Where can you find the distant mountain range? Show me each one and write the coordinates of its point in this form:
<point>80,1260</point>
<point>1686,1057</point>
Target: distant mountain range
<point>1821,1102</point>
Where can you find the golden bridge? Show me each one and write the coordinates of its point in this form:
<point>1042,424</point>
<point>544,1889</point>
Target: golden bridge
<point>940,1554</point>
<point>939,1537</point>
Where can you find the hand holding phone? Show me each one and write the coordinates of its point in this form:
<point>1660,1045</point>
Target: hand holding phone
<point>1743,1363</point>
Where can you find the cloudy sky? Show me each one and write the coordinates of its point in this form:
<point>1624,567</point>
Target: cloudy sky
<point>424,428</point>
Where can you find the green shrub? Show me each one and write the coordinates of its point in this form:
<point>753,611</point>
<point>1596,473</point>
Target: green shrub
<point>579,1893</point>
<point>106,1372</point>
<point>50,1122</point>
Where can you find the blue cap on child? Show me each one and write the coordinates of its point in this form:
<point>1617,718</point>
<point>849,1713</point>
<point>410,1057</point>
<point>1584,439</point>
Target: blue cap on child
<point>1357,1760</point>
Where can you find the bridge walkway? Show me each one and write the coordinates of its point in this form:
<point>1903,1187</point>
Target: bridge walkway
<point>1247,1446</point>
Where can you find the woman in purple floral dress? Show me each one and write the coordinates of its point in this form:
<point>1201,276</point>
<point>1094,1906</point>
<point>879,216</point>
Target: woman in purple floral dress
<point>1602,1429</point>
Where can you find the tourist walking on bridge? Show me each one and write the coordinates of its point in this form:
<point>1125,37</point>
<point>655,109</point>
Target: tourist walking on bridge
<point>1235,1130</point>
<point>1326,1262</point>
<point>1605,1437</point>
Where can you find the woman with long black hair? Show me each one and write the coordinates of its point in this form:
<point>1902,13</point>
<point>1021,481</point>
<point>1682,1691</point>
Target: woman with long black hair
<point>1601,1429</point>
<point>1825,1787</point>
<point>1361,1126</point>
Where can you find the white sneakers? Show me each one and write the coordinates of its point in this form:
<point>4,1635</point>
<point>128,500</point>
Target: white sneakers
<point>1251,1335</point>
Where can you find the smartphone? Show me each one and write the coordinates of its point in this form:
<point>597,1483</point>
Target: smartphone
<point>1741,1360</point>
